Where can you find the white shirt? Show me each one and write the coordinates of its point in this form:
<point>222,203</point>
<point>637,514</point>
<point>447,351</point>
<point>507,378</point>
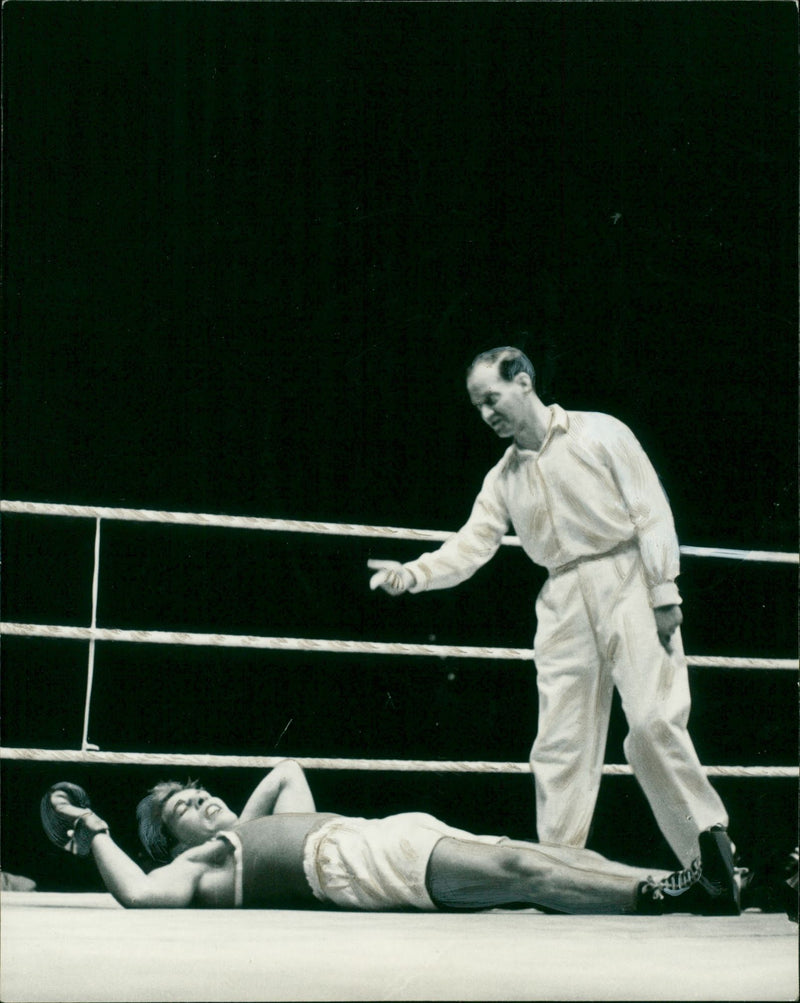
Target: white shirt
<point>588,489</point>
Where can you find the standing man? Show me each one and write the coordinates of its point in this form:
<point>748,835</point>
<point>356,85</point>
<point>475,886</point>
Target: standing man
<point>587,505</point>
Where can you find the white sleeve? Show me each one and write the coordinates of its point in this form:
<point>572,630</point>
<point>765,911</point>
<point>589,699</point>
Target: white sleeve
<point>650,512</point>
<point>470,547</point>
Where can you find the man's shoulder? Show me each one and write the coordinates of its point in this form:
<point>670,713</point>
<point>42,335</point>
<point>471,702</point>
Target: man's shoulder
<point>596,424</point>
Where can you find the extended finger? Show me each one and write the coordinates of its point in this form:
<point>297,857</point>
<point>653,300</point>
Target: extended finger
<point>379,579</point>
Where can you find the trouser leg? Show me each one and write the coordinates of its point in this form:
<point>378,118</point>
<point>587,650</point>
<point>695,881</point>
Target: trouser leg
<point>471,875</point>
<point>654,688</point>
<point>574,705</point>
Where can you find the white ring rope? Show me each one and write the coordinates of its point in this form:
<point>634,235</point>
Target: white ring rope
<point>338,647</point>
<point>91,754</point>
<point>327,528</point>
<point>395,765</point>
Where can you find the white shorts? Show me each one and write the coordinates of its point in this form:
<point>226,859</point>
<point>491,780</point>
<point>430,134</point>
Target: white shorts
<point>376,864</point>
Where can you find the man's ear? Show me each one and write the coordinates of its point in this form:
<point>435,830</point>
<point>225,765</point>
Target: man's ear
<point>524,380</point>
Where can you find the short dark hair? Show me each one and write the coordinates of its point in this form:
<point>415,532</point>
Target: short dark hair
<point>510,362</point>
<point>155,837</point>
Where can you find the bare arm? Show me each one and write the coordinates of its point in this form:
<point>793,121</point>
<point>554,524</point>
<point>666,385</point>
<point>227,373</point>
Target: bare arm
<point>70,823</point>
<point>284,789</point>
<point>169,887</point>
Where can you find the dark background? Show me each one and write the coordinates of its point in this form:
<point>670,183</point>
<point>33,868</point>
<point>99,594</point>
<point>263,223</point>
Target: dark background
<point>250,250</point>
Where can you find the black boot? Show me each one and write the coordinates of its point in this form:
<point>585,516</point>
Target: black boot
<point>790,886</point>
<point>709,887</point>
<point>718,879</point>
<point>678,892</point>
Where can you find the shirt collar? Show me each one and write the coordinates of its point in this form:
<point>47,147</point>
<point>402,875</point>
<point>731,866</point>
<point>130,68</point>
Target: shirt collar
<point>559,421</point>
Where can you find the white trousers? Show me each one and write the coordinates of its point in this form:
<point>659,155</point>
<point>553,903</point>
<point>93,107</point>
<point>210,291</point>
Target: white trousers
<point>596,630</point>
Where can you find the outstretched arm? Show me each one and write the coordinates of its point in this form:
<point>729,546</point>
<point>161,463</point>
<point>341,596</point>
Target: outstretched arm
<point>70,823</point>
<point>170,887</point>
<point>284,789</point>
<point>462,553</point>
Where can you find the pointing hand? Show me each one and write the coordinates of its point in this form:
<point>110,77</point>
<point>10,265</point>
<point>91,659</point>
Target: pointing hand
<point>390,576</point>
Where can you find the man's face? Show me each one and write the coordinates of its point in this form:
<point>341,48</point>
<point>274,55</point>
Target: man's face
<point>193,816</point>
<point>501,403</point>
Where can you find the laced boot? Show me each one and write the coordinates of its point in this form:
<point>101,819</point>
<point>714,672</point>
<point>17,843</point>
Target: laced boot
<point>678,892</point>
<point>719,879</point>
<point>709,887</point>
<point>790,885</point>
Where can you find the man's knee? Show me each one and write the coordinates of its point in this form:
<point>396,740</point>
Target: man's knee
<point>557,749</point>
<point>652,730</point>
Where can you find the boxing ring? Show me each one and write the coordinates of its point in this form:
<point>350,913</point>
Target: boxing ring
<point>62,946</point>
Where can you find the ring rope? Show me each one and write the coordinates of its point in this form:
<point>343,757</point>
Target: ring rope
<point>311,763</point>
<point>91,754</point>
<point>339,647</point>
<point>327,528</point>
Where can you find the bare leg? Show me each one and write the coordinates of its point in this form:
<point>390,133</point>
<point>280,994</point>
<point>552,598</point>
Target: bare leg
<point>582,858</point>
<point>472,875</point>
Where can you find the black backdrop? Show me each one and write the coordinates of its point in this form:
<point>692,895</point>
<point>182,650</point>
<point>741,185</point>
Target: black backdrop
<point>250,249</point>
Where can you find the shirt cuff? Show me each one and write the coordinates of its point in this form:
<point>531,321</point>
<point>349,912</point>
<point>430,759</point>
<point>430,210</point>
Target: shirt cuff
<point>665,595</point>
<point>420,579</point>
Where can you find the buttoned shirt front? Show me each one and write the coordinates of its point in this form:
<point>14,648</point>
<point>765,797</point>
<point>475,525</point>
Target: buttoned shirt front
<point>588,489</point>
